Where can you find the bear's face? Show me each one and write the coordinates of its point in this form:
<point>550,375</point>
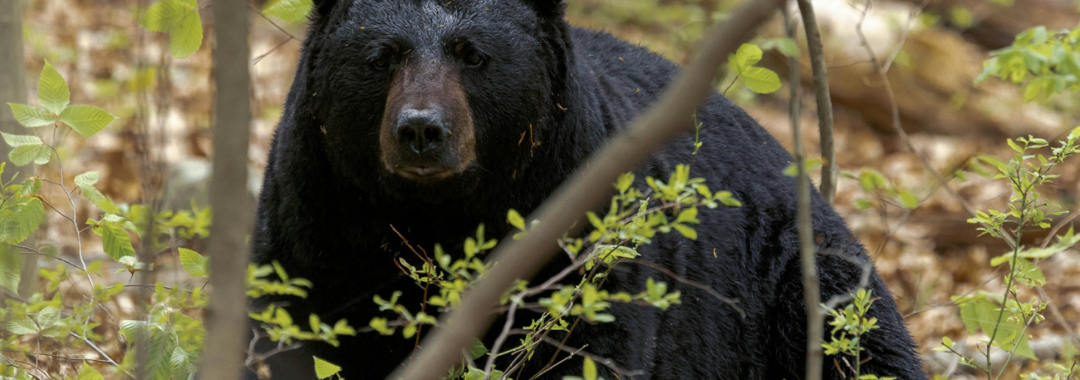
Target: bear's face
<point>424,99</point>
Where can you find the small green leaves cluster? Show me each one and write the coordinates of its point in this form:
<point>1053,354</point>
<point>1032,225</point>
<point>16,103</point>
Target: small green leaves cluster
<point>410,322</point>
<point>176,339</point>
<point>1026,170</point>
<point>633,218</point>
<point>258,283</point>
<point>1041,61</point>
<point>276,321</point>
<point>849,325</point>
<point>1005,318</point>
<point>757,79</point>
<point>279,325</point>
<point>180,19</point>
<point>881,192</point>
<point>55,97</point>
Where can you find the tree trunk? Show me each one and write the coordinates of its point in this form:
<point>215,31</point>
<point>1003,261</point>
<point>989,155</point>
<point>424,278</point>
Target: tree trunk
<point>229,255</point>
<point>13,90</point>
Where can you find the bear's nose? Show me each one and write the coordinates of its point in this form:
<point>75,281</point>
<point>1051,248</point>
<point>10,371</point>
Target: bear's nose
<point>420,130</point>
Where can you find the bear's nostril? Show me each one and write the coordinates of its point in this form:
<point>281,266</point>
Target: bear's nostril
<point>433,135</point>
<point>421,130</point>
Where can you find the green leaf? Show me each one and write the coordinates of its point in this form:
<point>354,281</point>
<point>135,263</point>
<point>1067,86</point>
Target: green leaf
<point>688,216</point>
<point>293,11</point>
<point>53,90</point>
<point>982,314</point>
<point>16,141</point>
<point>115,240</point>
<point>30,116</point>
<point>87,179</point>
<point>187,37</point>
<point>19,221</point>
<point>760,80</point>
<point>21,326</point>
<point>164,16</point>
<point>194,263</point>
<point>98,199</point>
<point>1013,145</point>
<point>325,369</point>
<point>10,265</point>
<point>746,56</point>
<point>908,200</point>
<point>476,349</point>
<point>26,154</point>
<point>589,371</point>
<point>686,231</point>
<point>89,373</point>
<point>515,219</point>
<point>86,120</point>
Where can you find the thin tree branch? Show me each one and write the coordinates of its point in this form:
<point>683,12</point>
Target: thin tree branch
<point>822,96</point>
<point>811,287</point>
<point>665,120</point>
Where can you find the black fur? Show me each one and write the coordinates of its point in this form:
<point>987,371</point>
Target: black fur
<point>328,205</point>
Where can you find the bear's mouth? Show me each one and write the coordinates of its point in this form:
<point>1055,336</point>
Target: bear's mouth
<point>424,173</point>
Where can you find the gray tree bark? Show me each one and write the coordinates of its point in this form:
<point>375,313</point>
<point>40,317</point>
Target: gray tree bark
<point>226,316</point>
<point>13,90</point>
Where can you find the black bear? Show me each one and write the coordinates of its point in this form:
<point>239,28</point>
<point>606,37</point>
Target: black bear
<point>430,117</point>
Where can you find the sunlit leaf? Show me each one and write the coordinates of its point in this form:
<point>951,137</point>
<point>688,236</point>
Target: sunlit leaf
<point>38,154</point>
<point>115,240</point>
<point>194,263</point>
<point>325,369</point>
<point>30,116</point>
<point>16,141</point>
<point>17,222</point>
<point>164,16</point>
<point>293,11</point>
<point>760,80</point>
<point>53,90</point>
<point>187,37</point>
<point>86,120</point>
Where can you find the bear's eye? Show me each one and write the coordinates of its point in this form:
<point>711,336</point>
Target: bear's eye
<point>474,59</point>
<point>381,63</point>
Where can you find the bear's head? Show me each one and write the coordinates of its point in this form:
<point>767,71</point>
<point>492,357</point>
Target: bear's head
<point>430,100</point>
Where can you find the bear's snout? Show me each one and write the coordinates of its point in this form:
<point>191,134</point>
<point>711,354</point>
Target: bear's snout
<point>427,130</point>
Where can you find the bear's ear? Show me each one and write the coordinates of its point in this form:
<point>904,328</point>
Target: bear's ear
<point>548,8</point>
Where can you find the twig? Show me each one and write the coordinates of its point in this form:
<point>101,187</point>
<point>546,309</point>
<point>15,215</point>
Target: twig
<point>98,350</point>
<point>501,339</point>
<point>599,359</point>
<point>664,120</point>
<point>730,301</point>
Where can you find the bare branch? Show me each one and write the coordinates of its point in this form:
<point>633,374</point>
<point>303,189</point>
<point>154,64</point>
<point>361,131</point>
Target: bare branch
<point>823,99</point>
<point>811,286</point>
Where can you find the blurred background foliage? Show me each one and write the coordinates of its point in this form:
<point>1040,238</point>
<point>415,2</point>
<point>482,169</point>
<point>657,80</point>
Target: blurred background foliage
<point>936,49</point>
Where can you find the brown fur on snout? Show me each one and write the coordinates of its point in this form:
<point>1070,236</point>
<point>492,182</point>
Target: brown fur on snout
<point>426,85</point>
